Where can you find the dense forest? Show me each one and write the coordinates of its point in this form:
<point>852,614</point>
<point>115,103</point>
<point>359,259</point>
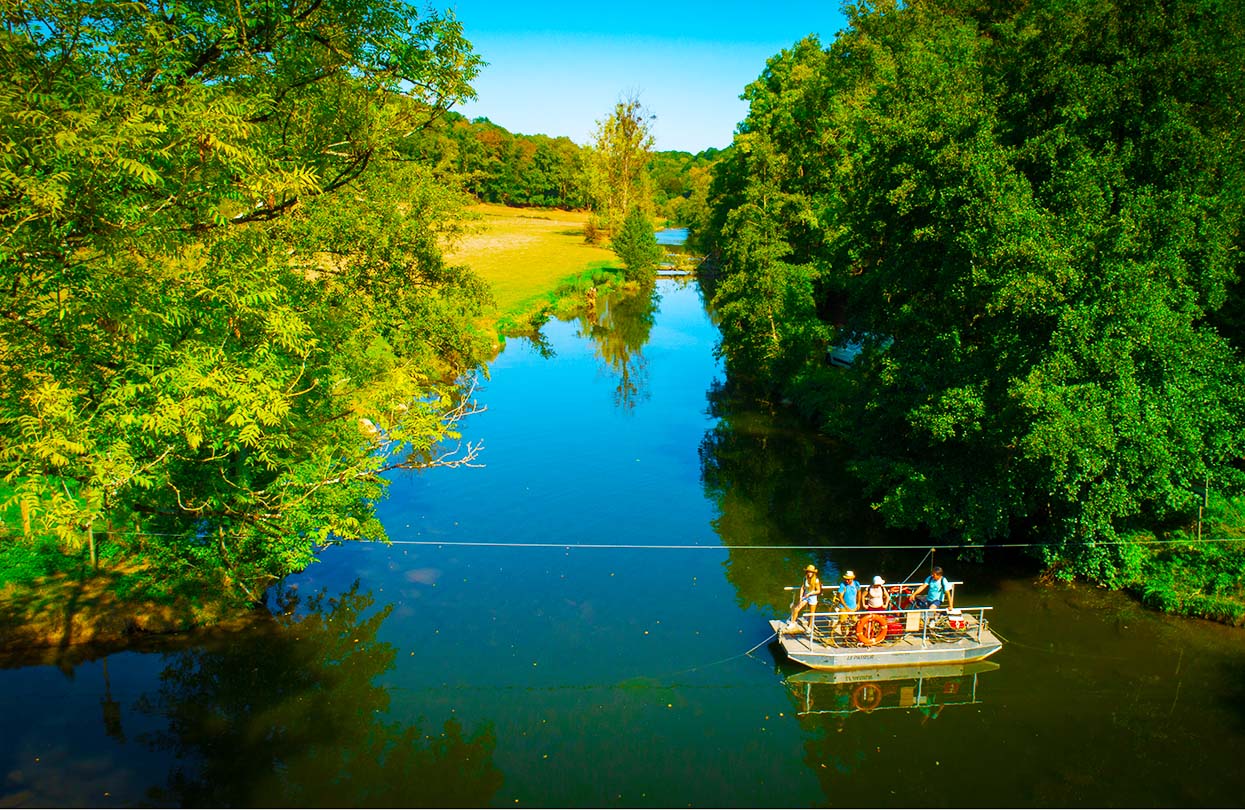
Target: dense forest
<point>1026,218</point>
<point>498,166</point>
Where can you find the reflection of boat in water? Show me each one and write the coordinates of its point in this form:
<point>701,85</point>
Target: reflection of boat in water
<point>926,688</point>
<point>842,640</point>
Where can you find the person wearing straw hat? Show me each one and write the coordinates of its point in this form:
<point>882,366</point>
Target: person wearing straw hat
<point>849,591</point>
<point>810,589</point>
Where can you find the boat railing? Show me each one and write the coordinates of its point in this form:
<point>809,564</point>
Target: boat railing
<point>922,622</point>
<point>893,587</point>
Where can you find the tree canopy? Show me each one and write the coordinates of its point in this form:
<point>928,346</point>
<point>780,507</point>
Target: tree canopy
<point>618,177</point>
<point>1029,215</point>
<point>224,308</point>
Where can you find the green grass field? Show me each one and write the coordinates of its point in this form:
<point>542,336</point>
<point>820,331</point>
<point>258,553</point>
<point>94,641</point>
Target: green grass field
<point>526,254</point>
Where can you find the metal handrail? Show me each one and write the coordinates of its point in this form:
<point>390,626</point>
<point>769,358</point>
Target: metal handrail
<point>891,584</point>
<point>951,582</point>
<point>864,611</point>
<point>827,618</point>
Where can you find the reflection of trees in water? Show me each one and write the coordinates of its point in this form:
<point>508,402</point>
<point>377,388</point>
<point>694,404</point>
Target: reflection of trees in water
<point>619,326</point>
<point>777,482</point>
<point>850,731</point>
<point>293,717</point>
<point>1233,700</point>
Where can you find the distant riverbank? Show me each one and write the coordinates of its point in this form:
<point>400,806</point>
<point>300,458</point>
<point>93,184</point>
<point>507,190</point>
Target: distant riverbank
<point>533,259</point>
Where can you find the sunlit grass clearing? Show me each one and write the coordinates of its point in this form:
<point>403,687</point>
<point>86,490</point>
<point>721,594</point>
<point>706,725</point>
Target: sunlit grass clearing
<point>526,253</point>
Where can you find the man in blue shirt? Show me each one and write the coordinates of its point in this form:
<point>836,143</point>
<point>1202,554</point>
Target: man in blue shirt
<point>936,586</point>
<point>849,591</point>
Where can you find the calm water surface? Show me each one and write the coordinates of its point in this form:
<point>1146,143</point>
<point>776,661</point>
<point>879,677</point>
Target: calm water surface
<point>557,676</point>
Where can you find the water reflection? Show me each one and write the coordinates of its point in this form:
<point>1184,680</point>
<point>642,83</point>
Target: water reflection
<point>777,483</point>
<point>926,690</point>
<point>619,326</point>
<point>111,709</point>
<point>294,717</point>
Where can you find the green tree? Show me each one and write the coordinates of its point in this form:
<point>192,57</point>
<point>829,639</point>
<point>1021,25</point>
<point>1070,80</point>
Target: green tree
<point>225,313</point>
<point>636,244</point>
<point>617,168</point>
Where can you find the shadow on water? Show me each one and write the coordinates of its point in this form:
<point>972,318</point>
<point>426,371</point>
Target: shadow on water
<point>294,717</point>
<point>777,483</point>
<point>1233,699</point>
<point>619,327</point>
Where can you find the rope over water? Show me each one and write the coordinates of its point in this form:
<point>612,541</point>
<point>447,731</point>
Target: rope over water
<point>741,547</point>
<point>708,547</point>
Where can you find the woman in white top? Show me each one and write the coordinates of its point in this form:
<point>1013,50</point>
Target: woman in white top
<point>876,595</point>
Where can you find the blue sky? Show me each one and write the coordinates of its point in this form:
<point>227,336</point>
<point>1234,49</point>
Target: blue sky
<point>557,67</point>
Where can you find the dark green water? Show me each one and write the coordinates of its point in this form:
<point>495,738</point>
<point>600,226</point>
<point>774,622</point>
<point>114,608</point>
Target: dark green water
<point>492,675</point>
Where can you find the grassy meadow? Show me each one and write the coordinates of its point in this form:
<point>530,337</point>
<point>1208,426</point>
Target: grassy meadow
<point>528,254</point>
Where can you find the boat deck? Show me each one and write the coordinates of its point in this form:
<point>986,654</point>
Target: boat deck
<point>831,645</point>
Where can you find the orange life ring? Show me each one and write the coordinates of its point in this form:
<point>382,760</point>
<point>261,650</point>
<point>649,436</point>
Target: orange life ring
<point>867,696</point>
<point>871,629</point>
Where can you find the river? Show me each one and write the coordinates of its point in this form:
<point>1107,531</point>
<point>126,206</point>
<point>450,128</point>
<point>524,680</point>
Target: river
<point>563,670</point>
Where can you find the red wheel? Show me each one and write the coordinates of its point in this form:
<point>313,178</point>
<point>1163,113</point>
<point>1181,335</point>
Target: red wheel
<point>871,630</point>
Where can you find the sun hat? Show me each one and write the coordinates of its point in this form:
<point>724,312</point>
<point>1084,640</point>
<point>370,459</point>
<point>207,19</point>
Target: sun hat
<point>849,575</point>
<point>879,581</point>
<point>812,568</point>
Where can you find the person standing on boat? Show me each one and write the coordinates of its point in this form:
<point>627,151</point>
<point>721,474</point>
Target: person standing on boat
<point>936,586</point>
<point>810,589</point>
<point>876,595</point>
<point>849,591</point>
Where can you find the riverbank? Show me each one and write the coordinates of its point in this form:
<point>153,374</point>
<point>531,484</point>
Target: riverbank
<point>535,260</point>
<point>51,604</point>
<point>537,265</point>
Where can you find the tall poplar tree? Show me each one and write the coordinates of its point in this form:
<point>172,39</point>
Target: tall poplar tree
<point>618,177</point>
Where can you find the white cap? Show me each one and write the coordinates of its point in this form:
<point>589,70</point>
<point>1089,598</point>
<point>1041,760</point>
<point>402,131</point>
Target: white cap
<point>879,581</point>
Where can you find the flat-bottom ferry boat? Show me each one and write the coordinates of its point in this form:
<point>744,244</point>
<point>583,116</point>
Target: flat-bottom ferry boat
<point>900,637</point>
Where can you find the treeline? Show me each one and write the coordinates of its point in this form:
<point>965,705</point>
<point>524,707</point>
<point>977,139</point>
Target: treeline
<point>681,183</point>
<point>499,166</point>
<point>1028,217</point>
